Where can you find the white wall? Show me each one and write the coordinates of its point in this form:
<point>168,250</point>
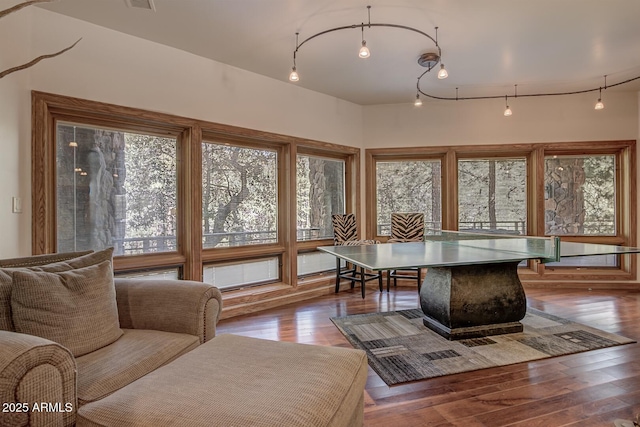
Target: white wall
<point>112,67</point>
<point>15,136</point>
<point>551,119</point>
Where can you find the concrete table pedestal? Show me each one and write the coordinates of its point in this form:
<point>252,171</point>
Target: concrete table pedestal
<point>470,301</point>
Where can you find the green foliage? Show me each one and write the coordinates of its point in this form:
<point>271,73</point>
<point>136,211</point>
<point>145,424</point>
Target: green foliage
<point>407,186</point>
<point>503,190</point>
<point>239,194</point>
<point>150,184</point>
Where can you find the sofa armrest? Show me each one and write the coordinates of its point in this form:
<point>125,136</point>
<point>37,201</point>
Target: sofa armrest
<point>181,306</point>
<point>36,372</point>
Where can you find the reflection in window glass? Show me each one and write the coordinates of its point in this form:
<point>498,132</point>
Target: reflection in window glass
<point>408,186</point>
<point>492,195</point>
<point>239,196</point>
<point>320,194</point>
<point>115,188</point>
<point>580,195</point>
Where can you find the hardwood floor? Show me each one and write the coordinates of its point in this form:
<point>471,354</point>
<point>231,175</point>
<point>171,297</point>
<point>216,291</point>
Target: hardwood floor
<point>587,389</point>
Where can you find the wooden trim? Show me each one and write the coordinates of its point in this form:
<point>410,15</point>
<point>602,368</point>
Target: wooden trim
<point>534,153</point>
<point>450,191</point>
<point>49,108</point>
<point>43,179</point>
<point>287,208</point>
<point>190,201</point>
<point>141,262</point>
<point>371,206</point>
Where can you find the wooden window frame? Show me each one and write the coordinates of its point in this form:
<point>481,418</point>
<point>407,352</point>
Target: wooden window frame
<point>534,154</point>
<point>48,109</point>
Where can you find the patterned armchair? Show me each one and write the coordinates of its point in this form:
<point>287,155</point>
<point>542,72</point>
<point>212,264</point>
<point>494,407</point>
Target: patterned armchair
<point>345,233</point>
<point>406,227</point>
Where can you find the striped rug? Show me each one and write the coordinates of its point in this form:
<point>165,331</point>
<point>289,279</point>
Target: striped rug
<point>401,349</point>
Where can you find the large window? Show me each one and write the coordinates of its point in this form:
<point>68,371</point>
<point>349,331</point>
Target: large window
<point>580,195</point>
<point>492,195</point>
<point>115,188</point>
<point>239,195</point>
<point>584,192</point>
<point>178,197</point>
<point>320,194</point>
<point>408,186</point>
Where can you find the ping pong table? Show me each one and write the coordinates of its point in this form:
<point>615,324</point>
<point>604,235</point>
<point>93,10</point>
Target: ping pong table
<point>471,288</point>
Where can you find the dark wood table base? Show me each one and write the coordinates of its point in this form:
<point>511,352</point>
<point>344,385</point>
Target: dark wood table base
<point>471,301</point>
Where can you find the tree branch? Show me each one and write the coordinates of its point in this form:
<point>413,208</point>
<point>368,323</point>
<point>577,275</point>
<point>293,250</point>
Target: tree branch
<point>21,6</point>
<point>38,59</point>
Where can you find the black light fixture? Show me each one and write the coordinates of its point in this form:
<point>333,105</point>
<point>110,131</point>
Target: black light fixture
<point>364,50</point>
<point>507,112</point>
<point>599,104</point>
<point>429,59</point>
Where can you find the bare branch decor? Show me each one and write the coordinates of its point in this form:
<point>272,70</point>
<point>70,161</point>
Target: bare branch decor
<point>33,62</point>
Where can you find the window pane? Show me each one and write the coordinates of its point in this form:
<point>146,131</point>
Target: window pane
<point>580,195</point>
<point>164,274</point>
<point>115,188</point>
<point>239,196</point>
<point>492,195</point>
<point>320,194</point>
<point>316,262</point>
<point>408,186</point>
<point>237,275</point>
<point>593,261</point>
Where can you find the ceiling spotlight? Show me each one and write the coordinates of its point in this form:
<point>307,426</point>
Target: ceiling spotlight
<point>364,51</point>
<point>418,101</point>
<point>294,75</point>
<point>507,111</point>
<point>599,104</point>
<point>442,74</point>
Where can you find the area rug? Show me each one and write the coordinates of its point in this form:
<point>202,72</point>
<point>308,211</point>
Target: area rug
<point>401,349</point>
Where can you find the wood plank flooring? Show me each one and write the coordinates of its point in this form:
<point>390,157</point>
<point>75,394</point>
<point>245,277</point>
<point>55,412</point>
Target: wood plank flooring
<point>587,389</point>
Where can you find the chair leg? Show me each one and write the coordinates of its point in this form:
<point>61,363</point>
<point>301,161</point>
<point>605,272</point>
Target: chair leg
<point>419,279</point>
<point>355,274</point>
<point>362,281</point>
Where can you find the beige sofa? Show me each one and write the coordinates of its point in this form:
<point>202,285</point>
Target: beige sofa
<point>129,360</point>
<point>159,321</point>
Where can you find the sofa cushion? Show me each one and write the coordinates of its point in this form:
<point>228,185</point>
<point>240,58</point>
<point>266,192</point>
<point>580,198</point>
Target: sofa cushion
<point>77,262</point>
<point>75,308</point>
<point>240,381</point>
<point>6,279</point>
<point>132,356</point>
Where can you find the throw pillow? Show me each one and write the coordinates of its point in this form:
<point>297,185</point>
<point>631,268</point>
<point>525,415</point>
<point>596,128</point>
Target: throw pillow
<point>75,308</point>
<point>51,263</point>
<point>78,262</point>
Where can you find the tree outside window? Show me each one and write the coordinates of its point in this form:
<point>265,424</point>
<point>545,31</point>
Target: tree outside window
<point>408,186</point>
<point>115,188</point>
<point>239,195</point>
<point>580,195</point>
<point>320,194</point>
<point>492,195</point>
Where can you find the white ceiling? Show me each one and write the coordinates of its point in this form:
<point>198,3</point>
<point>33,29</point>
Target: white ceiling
<point>488,46</point>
